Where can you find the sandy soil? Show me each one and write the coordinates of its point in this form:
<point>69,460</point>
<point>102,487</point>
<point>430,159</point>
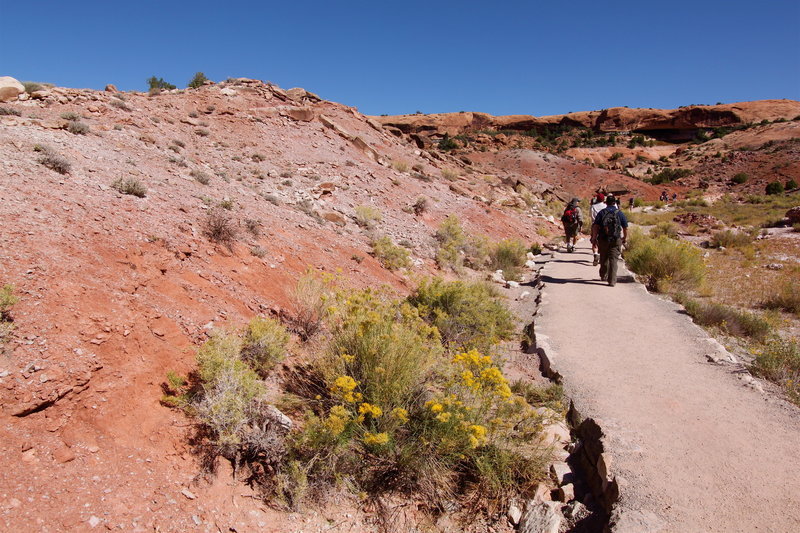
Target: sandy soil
<point>693,447</point>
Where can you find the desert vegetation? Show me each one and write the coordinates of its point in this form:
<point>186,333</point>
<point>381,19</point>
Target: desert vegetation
<point>401,396</point>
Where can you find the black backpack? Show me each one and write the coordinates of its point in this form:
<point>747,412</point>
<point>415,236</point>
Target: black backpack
<point>610,224</point>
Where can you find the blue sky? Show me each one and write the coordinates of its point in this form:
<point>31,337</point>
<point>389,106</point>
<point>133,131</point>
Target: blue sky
<point>501,57</point>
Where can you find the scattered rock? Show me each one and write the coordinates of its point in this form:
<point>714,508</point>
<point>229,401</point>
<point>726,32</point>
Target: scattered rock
<point>793,215</point>
<point>561,473</point>
<point>189,494</point>
<point>566,492</point>
<point>514,514</point>
<point>94,521</point>
<point>774,266</point>
<point>497,277</point>
<point>111,88</point>
<point>10,89</point>
<point>227,91</point>
<point>64,455</point>
<point>540,517</point>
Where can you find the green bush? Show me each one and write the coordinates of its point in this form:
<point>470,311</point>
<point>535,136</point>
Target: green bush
<point>731,239</point>
<point>389,254</point>
<point>391,414</point>
<point>668,229</point>
<point>264,344</point>
<point>447,143</point>
<point>785,296</point>
<point>668,175</point>
<point>7,301</point>
<point>367,216</point>
<point>790,184</point>
<point>731,320</point>
<point>740,178</point>
<point>665,263</point>
<point>131,186</point>
<point>779,361</point>
<point>458,248</point>
<point>774,187</point>
<point>197,81</point>
<point>509,255</point>
<point>159,84</point>
<point>469,315</point>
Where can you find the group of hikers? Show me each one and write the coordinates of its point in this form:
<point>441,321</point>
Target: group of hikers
<point>608,234</point>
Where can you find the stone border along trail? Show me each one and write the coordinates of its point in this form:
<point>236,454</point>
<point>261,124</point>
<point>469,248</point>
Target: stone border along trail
<point>693,443</point>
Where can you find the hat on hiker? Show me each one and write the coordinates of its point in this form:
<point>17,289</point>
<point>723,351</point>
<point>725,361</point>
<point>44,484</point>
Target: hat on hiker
<point>601,197</point>
<point>610,199</point>
<point>575,201</point>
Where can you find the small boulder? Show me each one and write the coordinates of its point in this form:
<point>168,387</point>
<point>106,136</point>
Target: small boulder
<point>793,215</point>
<point>111,88</point>
<point>227,91</point>
<point>542,517</point>
<point>566,493</point>
<point>10,89</point>
<point>561,473</point>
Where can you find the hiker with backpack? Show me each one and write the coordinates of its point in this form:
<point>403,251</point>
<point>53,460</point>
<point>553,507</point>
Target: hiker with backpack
<point>598,204</point>
<point>572,219</point>
<point>610,232</point>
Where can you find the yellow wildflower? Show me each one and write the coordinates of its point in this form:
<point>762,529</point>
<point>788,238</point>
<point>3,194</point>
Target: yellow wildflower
<point>400,414</point>
<point>348,358</point>
<point>369,409</point>
<point>443,417</point>
<point>375,439</point>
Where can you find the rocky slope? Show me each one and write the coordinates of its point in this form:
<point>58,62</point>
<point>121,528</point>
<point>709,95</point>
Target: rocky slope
<point>115,290</point>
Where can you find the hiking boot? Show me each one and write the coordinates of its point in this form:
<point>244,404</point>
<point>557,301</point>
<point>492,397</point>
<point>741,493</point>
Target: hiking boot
<point>569,248</point>
<point>596,260</point>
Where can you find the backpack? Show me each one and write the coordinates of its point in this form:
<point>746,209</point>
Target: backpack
<point>570,216</point>
<point>612,229</point>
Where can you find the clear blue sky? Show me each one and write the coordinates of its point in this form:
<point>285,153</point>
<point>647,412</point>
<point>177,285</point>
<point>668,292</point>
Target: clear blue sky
<point>501,57</point>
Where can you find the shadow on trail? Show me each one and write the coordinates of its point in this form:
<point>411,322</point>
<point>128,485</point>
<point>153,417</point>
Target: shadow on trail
<point>561,281</point>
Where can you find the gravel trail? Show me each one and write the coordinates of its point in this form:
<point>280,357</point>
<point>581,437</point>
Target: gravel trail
<point>693,447</point>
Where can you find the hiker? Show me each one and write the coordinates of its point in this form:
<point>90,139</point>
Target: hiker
<point>598,204</point>
<point>631,202</point>
<point>674,196</point>
<point>663,197</point>
<point>610,233</point>
<point>572,219</point>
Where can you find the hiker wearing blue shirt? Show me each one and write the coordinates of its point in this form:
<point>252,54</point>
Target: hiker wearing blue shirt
<point>610,232</point>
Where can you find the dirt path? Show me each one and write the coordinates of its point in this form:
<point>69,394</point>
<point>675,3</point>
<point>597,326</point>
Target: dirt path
<point>693,448</point>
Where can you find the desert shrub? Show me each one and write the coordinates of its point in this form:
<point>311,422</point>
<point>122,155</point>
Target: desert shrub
<point>740,178</point>
<point>447,143</point>
<point>159,83</point>
<point>306,206</point>
<point>729,319</point>
<point>400,166</point>
<point>219,227</point>
<point>449,174</point>
<point>667,229</point>
<point>7,301</point>
<point>271,198</point>
<point>790,184</point>
<point>509,255</point>
<point>197,80</point>
<point>367,216</point>
<point>52,160</point>
<point>32,86</point>
<point>779,361</point>
<point>202,132</point>
<point>253,226</point>
<point>551,396</point>
<point>796,227</point>
<point>8,111</point>
<point>131,185</point>
<point>119,103</point>
<point>615,156</point>
<point>668,175</point>
<point>774,187</point>
<point>452,240</point>
<point>178,142</point>
<point>467,314</point>
<point>665,263</point>
<point>389,254</point>
<point>391,414</point>
<point>264,344</point>
<point>783,295</point>
<point>200,177</point>
<point>258,251</point>
<point>731,239</point>
<point>420,205</point>
<point>535,248</point>
<point>310,300</point>
<point>70,115</point>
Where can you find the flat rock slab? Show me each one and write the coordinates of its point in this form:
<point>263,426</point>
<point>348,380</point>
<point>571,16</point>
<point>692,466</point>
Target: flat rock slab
<point>693,448</point>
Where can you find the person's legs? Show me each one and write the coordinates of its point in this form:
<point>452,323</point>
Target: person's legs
<point>602,247</point>
<point>614,251</point>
